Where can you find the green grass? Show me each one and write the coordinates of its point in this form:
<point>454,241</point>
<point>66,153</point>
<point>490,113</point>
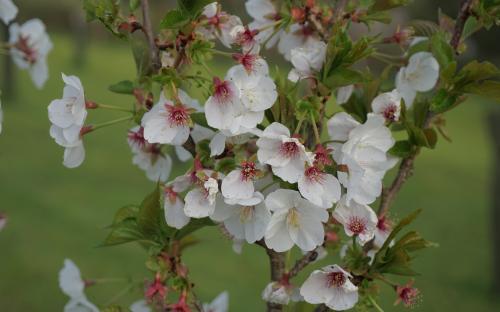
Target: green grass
<point>55,212</point>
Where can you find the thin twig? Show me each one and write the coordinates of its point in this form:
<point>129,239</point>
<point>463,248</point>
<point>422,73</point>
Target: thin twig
<point>148,30</point>
<point>463,15</point>
<point>302,263</point>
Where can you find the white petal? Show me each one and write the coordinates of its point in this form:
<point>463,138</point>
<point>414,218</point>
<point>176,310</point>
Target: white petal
<point>197,205</point>
<point>174,213</point>
<point>74,156</point>
<point>233,186</point>
<point>340,125</point>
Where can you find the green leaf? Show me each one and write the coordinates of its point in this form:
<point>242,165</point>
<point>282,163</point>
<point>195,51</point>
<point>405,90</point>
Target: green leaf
<point>442,50</point>
<point>401,149</point>
<point>124,232</point>
<point>403,223</point>
<point>151,219</point>
<point>125,213</point>
<point>134,4</point>
<point>193,7</point>
<point>489,89</point>
<point>192,226</point>
<point>174,19</point>
<point>200,119</point>
<point>122,87</point>
<point>341,77</point>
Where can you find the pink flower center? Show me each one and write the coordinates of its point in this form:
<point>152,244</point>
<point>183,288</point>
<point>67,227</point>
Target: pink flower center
<point>222,90</point>
<point>314,174</point>
<point>409,295</point>
<point>248,170</point>
<point>390,112</point>
<point>178,115</point>
<point>137,137</point>
<point>335,279</point>
<point>170,194</point>
<point>356,225</point>
<point>246,37</point>
<point>247,60</point>
<point>321,156</point>
<point>289,149</point>
<point>23,46</point>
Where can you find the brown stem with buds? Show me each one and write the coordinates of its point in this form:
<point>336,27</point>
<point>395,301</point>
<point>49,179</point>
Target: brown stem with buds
<point>302,263</point>
<point>148,30</point>
<point>277,262</point>
<point>406,167</point>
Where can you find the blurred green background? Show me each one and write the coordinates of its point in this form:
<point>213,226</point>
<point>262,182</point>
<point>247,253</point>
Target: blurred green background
<point>56,213</point>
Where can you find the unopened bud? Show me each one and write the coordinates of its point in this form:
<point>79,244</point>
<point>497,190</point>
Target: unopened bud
<point>298,14</point>
<point>90,105</point>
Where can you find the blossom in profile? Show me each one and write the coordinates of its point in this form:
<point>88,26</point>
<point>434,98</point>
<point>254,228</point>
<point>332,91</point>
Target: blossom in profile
<point>30,46</point>
<point>285,154</point>
<point>358,219</point>
<point>72,285</point>
<point>295,221</point>
<point>219,304</point>
<point>409,295</point>
<point>74,151</point>
<point>307,60</point>
<point>8,11</point>
<point>388,105</point>
<point>330,286</point>
<point>420,75</point>
<point>264,14</point>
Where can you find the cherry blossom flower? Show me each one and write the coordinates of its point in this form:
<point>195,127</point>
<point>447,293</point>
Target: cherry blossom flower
<point>264,14</point>
<point>167,122</point>
<point>364,154</point>
<point>320,188</point>
<point>388,105</point>
<point>220,24</point>
<point>307,60</point>
<point>297,35</point>
<point>294,221</point>
<point>245,38</point>
<point>357,219</point>
<point>201,201</point>
<point>219,304</point>
<point>252,63</point>
<point>223,106</point>
<point>286,155</point>
<point>140,306</point>
<point>210,10</point>
<point>153,162</point>
<point>8,11</point>
<point>330,286</point>
<point>409,295</point>
<point>344,94</point>
<point>281,293</point>
<point>69,113</point>
<point>382,232</point>
<point>30,47</point>
<point>244,218</point>
<point>72,285</point>
<point>74,151</point>
<point>156,290</point>
<point>173,207</point>
<point>420,75</point>
<point>238,184</point>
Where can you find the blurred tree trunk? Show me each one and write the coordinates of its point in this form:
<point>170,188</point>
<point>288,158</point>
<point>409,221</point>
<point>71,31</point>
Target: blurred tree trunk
<point>495,131</point>
<point>8,78</point>
<point>80,37</point>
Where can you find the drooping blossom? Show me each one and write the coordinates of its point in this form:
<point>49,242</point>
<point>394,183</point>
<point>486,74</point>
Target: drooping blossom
<point>357,219</point>
<point>242,135</point>
<point>74,151</point>
<point>281,292</point>
<point>173,204</point>
<point>30,46</point>
<point>382,232</point>
<point>320,188</point>
<point>151,159</point>
<point>223,106</point>
<point>244,219</point>
<point>238,184</point>
<point>285,154</point>
<point>69,112</point>
<point>420,75</point>
<point>245,38</point>
<point>8,11</point>
<point>388,105</point>
<point>219,304</point>
<point>307,60</point>
<point>264,14</point>
<point>72,285</point>
<point>167,122</point>
<point>295,221</point>
<point>200,202</point>
<point>330,286</point>
<point>219,24</point>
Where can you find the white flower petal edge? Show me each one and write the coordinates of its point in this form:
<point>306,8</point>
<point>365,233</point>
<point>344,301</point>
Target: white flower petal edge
<point>357,219</point>
<point>140,306</point>
<point>219,304</point>
<point>71,284</point>
<point>331,286</point>
<point>8,11</point>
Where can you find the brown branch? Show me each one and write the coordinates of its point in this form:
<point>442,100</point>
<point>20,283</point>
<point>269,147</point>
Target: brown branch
<point>406,167</point>
<point>302,263</point>
<point>463,15</point>
<point>277,261</point>
<point>148,30</point>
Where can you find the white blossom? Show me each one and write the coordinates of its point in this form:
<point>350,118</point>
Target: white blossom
<point>388,105</point>
<point>357,219</point>
<point>210,10</point>
<point>223,107</point>
<point>244,218</point>
<point>420,75</point>
<point>72,285</point>
<point>8,11</point>
<point>286,155</point>
<point>173,206</point>
<point>320,188</point>
<point>30,47</point>
<point>294,221</point>
<point>344,94</point>
<point>74,151</point>
<point>330,286</point>
<point>201,201</point>
<point>140,306</point>
<point>264,14</point>
<point>297,35</point>
<point>278,293</point>
<point>167,122</point>
<point>69,113</point>
<point>219,304</point>
<point>307,60</point>
<point>238,184</point>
